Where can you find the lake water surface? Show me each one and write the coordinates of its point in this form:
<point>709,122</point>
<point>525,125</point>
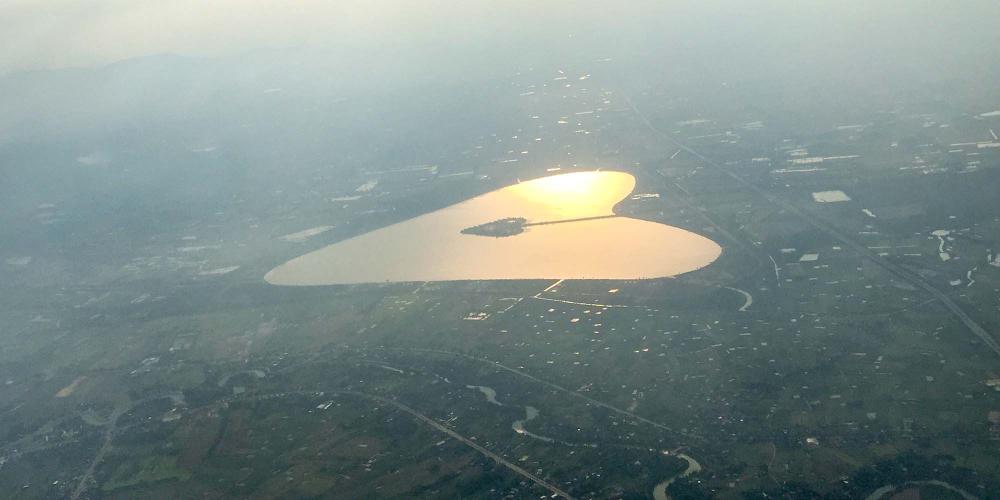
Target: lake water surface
<point>432,247</point>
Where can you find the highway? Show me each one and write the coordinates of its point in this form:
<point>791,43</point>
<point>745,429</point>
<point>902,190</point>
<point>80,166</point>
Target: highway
<point>435,424</point>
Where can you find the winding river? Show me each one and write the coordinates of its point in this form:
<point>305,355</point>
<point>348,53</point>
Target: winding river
<point>660,491</point>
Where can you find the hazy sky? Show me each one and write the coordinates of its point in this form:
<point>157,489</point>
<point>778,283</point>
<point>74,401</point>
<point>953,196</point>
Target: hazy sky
<point>59,33</point>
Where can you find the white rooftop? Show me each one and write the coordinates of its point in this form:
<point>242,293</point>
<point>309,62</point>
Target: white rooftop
<point>831,196</point>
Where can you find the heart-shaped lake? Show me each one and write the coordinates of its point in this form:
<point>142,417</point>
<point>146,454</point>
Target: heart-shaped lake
<point>557,227</point>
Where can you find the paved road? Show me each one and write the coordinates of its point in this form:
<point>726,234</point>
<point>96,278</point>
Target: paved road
<point>109,433</point>
<point>565,221</point>
<point>557,387</point>
<point>434,423</point>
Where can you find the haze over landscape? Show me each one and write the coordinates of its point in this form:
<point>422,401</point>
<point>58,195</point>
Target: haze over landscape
<point>385,249</point>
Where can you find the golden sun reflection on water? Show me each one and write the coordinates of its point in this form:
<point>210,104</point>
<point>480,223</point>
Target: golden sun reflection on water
<point>575,195</point>
<point>431,247</point>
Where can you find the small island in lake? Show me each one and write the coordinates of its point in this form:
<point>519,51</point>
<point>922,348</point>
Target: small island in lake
<point>500,228</point>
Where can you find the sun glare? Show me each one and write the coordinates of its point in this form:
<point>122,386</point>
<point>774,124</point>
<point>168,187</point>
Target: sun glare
<point>575,195</point>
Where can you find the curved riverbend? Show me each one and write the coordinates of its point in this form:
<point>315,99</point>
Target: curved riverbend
<point>660,491</point>
<point>530,413</point>
<point>590,242</point>
<point>489,392</point>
